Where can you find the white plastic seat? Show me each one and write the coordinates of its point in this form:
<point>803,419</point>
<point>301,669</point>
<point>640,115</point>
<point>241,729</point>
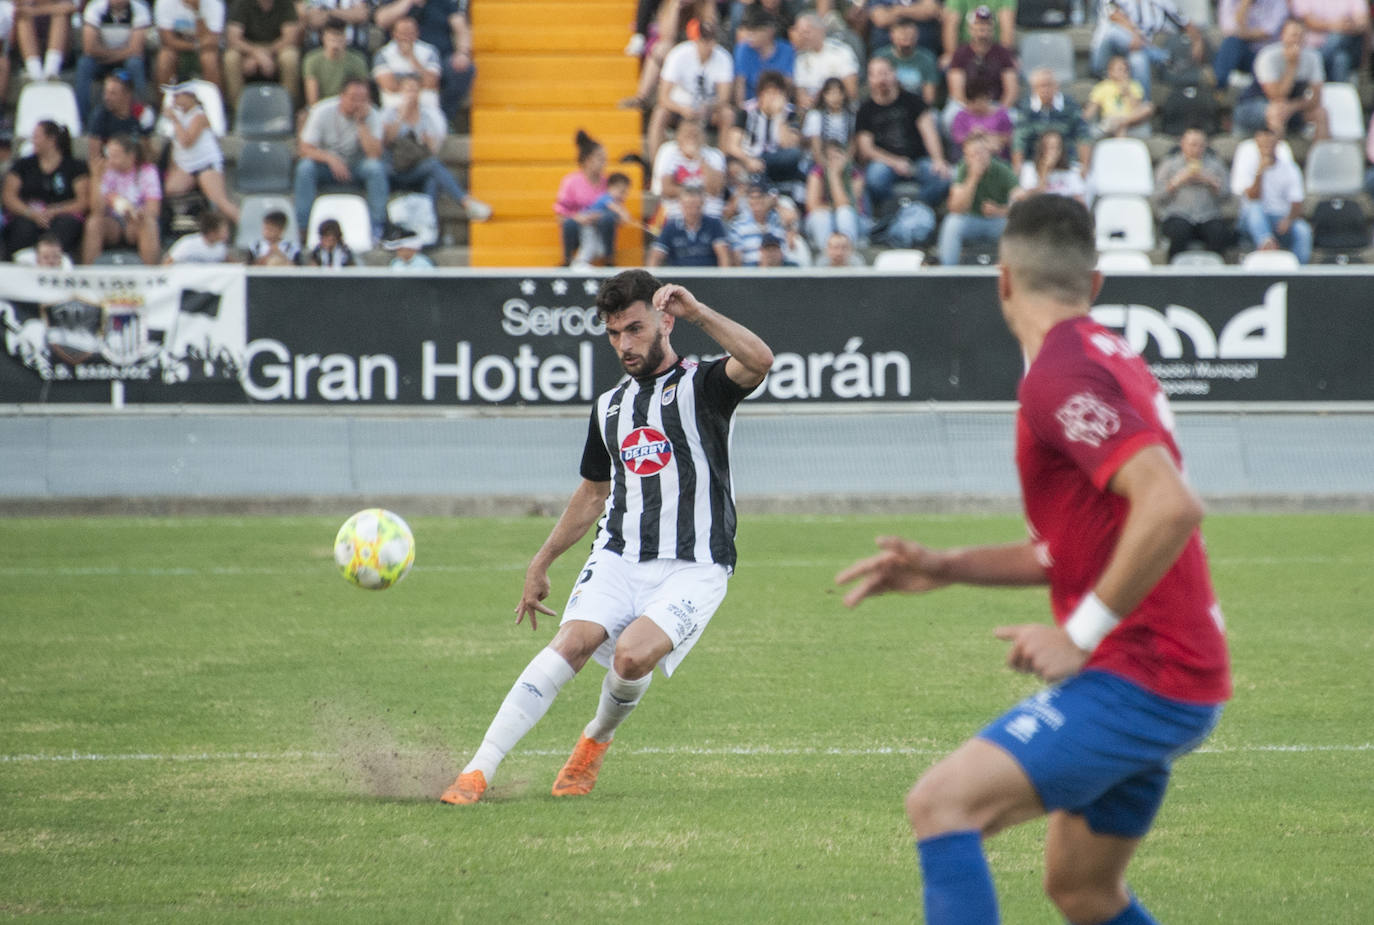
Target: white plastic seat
<point>1121,166</point>
<point>1124,223</point>
<point>1200,259</point>
<point>899,259</point>
<point>1280,261</point>
<point>1343,111</point>
<point>1199,12</point>
<point>210,100</point>
<point>1334,168</point>
<point>1124,262</point>
<point>350,211</point>
<point>251,211</point>
<point>43,101</point>
<point>1053,50</point>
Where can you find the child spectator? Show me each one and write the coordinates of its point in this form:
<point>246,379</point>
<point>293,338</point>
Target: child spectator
<point>687,159</point>
<point>408,257</point>
<point>839,252</point>
<point>274,248</point>
<point>189,33</point>
<point>983,114</point>
<point>210,244</point>
<point>1049,170</point>
<point>1117,104</point>
<point>578,191</point>
<point>47,253</point>
<point>196,159</point>
<point>831,121</point>
<point>331,251</point>
<point>130,203</point>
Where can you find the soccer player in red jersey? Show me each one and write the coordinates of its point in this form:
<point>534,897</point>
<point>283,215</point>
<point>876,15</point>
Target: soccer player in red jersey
<point>1137,655</point>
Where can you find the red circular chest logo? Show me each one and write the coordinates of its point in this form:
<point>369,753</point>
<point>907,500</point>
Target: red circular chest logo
<point>645,451</point>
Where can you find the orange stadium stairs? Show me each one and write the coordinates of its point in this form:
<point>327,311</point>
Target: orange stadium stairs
<point>546,68</point>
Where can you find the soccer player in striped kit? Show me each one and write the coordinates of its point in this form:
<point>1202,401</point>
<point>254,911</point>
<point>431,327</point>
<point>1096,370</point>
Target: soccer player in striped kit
<point>656,475</point>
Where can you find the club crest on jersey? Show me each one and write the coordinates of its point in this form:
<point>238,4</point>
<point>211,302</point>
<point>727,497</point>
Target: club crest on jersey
<point>669,394</point>
<point>645,451</point>
<point>1087,419</point>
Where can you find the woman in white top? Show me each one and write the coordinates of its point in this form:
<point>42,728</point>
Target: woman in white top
<point>196,157</point>
<point>1050,171</point>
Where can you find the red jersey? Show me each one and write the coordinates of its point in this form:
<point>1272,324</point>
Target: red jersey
<point>1088,404</point>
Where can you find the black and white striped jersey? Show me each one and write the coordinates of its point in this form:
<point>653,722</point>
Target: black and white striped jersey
<point>664,445</point>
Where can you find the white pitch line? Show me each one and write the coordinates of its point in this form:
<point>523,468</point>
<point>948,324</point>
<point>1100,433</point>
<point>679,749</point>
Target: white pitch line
<point>691,751</point>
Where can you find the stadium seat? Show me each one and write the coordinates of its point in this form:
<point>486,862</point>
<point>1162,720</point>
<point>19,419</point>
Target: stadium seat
<point>253,208</point>
<point>1053,50</point>
<point>1342,104</point>
<point>1199,12</point>
<point>1121,167</point>
<point>1270,261</point>
<point>1043,14</point>
<point>899,259</point>
<point>210,100</point>
<point>1124,262</point>
<point>1124,223</point>
<point>1198,259</point>
<point>263,167</point>
<point>264,111</point>
<point>350,211</point>
<point>43,101</point>
<point>1340,224</point>
<point>118,258</point>
<point>1334,168</point>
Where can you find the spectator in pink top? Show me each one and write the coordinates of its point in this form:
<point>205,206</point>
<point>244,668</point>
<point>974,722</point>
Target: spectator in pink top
<point>986,115</point>
<point>577,193</point>
<point>130,200</point>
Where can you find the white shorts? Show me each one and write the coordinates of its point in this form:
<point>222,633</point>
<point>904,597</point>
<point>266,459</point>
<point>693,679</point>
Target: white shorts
<point>679,596</point>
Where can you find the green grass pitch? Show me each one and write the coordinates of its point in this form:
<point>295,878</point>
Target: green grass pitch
<point>200,722</point>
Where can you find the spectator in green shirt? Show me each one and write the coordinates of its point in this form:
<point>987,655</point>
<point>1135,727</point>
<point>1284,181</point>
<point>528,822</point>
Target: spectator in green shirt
<point>330,66</point>
<point>917,70</point>
<point>983,190</point>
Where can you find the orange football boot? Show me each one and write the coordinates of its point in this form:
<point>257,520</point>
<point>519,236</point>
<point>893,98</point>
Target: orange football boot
<point>578,776</point>
<point>468,788</point>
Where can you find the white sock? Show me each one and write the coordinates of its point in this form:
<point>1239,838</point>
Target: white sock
<point>618,698</point>
<point>33,67</point>
<point>52,63</point>
<point>524,706</point>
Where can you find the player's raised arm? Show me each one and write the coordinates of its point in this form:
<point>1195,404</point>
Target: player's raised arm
<point>913,568</point>
<point>587,502</point>
<point>750,358</point>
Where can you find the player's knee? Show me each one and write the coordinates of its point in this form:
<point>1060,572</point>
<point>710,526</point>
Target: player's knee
<point>1081,900</point>
<point>929,805</point>
<point>632,664</point>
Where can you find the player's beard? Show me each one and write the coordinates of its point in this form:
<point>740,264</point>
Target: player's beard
<point>653,359</point>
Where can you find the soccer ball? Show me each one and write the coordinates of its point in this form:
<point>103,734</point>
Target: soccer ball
<point>374,549</point>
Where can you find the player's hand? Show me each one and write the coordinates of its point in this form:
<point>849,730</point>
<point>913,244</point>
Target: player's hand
<point>675,300</point>
<point>901,566</point>
<point>536,589</point>
<point>1042,650</point>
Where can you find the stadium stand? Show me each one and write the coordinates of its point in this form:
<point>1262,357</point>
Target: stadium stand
<point>1270,261</point>
<point>899,258</point>
<point>350,211</point>
<point>254,207</point>
<point>1124,223</point>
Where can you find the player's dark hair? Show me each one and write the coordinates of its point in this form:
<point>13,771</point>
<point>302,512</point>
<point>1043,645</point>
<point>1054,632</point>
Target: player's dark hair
<point>627,287</point>
<point>1050,247</point>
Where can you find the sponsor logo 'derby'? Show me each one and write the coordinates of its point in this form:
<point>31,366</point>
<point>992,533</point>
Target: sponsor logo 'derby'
<point>645,451</point>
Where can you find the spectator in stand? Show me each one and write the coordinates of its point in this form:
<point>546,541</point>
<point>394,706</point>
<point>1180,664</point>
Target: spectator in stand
<point>406,56</point>
<point>954,23</point>
<point>412,134</point>
<point>47,253</point>
<point>41,30</point>
<point>981,62</point>
<point>1129,27</point>
<point>129,204</point>
<point>355,15</point>
<point>47,192</point>
<point>1050,170</point>
<point>113,35</point>
<point>1271,199</point>
<point>612,201</point>
<point>262,39</point>
<point>189,34</point>
<point>1337,29</point>
<point>210,244</point>
<point>759,50</point>
<point>898,140</point>
<point>688,160</point>
<point>444,25</point>
<point>1117,105</point>
<point>577,193</point>
<point>984,188</point>
<point>695,84</point>
<point>693,239</point>
<point>1190,188</point>
<point>1369,156</point>
<point>834,190</point>
<point>676,21</point>
<point>765,140</point>
<point>408,257</point>
<point>747,228</point>
<point>341,144</point>
<point>928,15</point>
<point>118,113</point>
<point>839,253</point>
<point>771,253</point>
<point>196,160</point>
<point>985,117</point>
<point>331,252</point>
<point>917,70</point>
<point>832,121</point>
<point>819,59</point>
<point>1246,27</point>
<point>273,248</point>
<point>329,67</point>
<point>6,36</point>
<point>1287,92</point>
<point>1049,110</point>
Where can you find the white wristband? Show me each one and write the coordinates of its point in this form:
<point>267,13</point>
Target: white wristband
<point>1090,622</point>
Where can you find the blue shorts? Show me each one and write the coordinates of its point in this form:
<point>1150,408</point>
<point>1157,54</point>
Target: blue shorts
<point>1101,746</point>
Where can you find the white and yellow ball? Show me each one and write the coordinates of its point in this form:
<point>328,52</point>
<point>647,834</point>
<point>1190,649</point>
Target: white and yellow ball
<point>374,549</point>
